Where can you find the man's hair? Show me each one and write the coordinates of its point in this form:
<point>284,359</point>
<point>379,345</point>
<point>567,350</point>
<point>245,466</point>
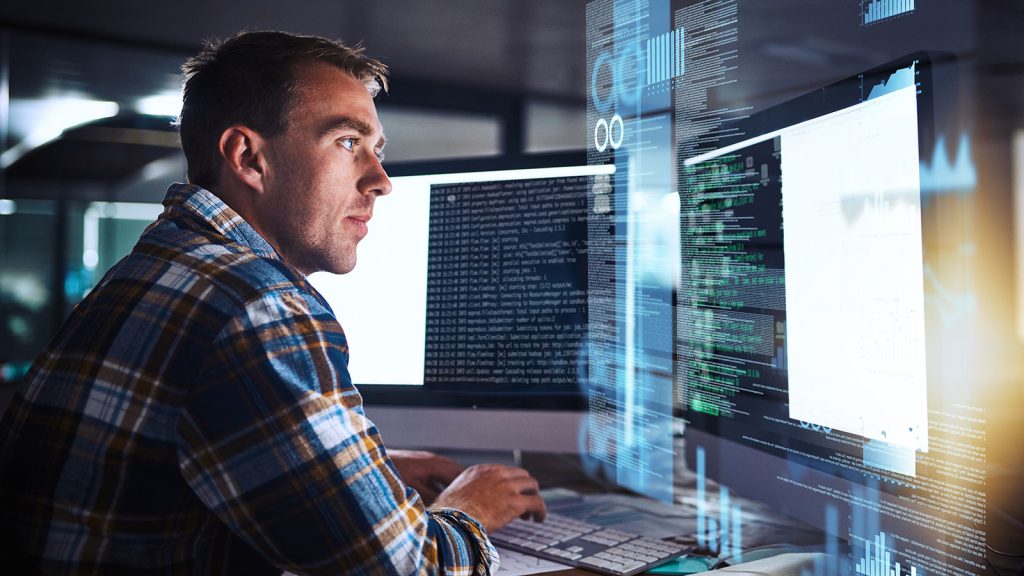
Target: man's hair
<point>252,79</point>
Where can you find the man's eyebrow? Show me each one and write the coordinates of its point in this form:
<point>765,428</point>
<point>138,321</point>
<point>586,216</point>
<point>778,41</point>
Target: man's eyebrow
<point>345,123</point>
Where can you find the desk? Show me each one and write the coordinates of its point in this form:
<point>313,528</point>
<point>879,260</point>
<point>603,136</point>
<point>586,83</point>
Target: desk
<point>787,564</point>
<point>762,526</point>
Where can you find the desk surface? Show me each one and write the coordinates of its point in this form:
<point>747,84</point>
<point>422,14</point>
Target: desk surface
<point>762,526</point>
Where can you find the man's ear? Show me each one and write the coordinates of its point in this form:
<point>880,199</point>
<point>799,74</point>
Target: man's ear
<point>242,150</point>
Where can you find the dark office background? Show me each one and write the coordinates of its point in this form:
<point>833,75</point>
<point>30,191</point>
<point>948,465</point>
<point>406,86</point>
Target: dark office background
<point>471,78</point>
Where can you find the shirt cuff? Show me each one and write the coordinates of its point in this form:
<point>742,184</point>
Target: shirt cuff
<point>487,560</point>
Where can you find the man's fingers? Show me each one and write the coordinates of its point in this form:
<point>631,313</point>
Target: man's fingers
<point>527,485</point>
<point>516,472</point>
<point>509,472</point>
<point>526,494</point>
<point>533,505</point>
<point>494,494</point>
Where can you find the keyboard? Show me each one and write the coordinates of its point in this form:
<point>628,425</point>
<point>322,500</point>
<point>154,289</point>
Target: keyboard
<point>587,545</point>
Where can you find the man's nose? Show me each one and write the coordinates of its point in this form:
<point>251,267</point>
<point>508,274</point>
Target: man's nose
<point>375,180</point>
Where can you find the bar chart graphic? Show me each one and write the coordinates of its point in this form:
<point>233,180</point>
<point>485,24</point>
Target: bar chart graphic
<point>877,10</point>
<point>666,55</point>
<point>723,534</point>
<point>877,560</point>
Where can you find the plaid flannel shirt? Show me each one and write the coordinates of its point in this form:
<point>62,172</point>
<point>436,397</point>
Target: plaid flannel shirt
<point>195,415</point>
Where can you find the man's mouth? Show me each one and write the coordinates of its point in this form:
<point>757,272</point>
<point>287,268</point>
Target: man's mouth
<point>359,222</point>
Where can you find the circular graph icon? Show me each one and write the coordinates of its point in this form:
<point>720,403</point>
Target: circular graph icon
<point>605,131</point>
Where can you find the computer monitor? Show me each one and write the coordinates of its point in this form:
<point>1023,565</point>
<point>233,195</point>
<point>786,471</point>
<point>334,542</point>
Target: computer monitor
<point>801,327</point>
<point>467,309</point>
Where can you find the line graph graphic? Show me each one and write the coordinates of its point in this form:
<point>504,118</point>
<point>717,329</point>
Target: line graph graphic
<point>902,78</point>
<point>940,174</point>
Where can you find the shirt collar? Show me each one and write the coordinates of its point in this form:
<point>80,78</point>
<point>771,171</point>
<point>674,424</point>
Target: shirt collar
<point>194,202</point>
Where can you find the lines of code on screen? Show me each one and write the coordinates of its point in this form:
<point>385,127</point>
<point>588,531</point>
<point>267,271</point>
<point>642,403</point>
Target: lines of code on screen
<point>506,284</point>
<point>731,312</point>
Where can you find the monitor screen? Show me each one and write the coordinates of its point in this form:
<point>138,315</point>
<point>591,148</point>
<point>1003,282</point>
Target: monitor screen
<point>470,296</point>
<point>819,273</point>
<point>801,322</point>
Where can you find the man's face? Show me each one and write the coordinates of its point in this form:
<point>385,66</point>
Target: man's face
<point>323,172</point>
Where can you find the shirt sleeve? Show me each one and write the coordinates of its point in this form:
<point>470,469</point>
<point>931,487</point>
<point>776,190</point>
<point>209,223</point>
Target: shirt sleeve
<point>274,441</point>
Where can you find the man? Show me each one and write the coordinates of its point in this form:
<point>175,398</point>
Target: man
<point>195,415</point>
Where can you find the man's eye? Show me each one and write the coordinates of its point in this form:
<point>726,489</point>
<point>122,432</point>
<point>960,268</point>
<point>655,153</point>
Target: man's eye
<point>347,143</point>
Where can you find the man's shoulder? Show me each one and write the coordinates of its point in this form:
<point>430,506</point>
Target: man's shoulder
<point>179,258</point>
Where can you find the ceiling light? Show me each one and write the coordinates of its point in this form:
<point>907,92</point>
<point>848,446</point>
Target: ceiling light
<point>48,118</point>
<point>167,104</point>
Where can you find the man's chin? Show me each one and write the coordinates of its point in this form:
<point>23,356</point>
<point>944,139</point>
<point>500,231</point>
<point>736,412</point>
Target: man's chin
<point>343,266</point>
<point>331,262</point>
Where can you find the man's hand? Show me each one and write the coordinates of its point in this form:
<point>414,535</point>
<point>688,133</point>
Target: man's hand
<point>426,472</point>
<point>494,495</point>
